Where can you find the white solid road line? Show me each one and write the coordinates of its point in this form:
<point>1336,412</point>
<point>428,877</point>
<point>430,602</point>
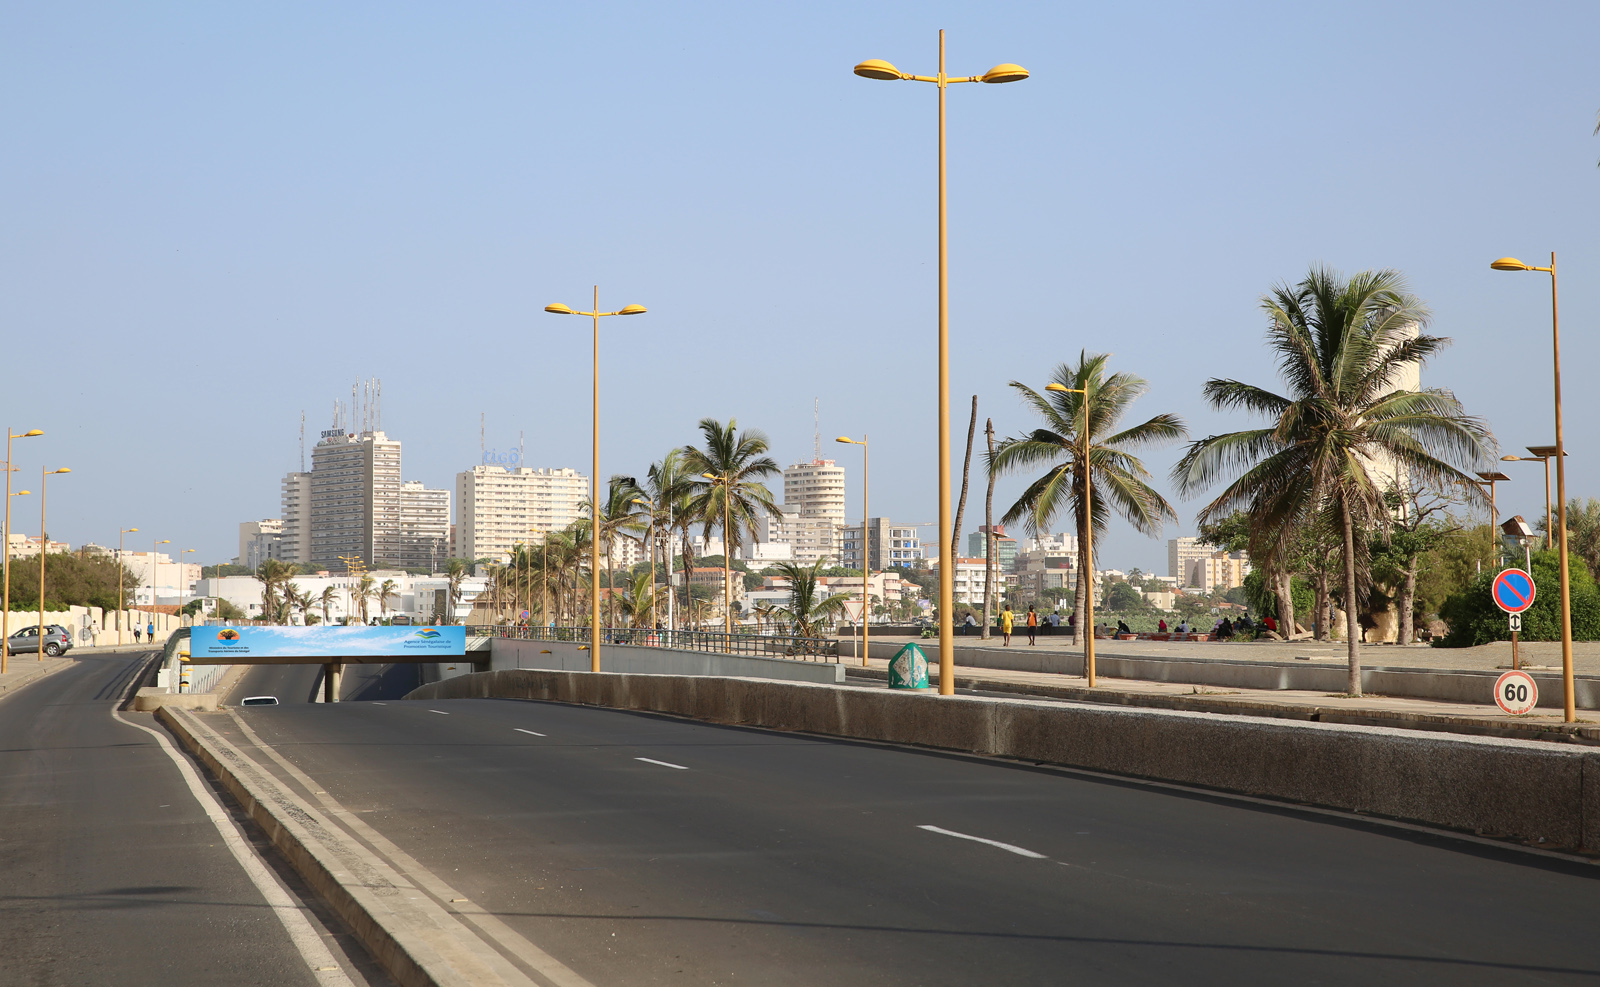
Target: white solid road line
<point>664,764</point>
<point>534,732</point>
<point>380,704</point>
<point>291,913</point>
<point>1019,851</point>
<point>439,711</point>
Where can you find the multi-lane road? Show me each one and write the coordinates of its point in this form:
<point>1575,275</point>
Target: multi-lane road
<point>638,849</point>
<point>642,849</point>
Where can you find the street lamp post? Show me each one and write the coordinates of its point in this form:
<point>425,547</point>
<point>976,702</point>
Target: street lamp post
<point>5,564</point>
<point>878,69</point>
<point>1489,479</point>
<point>155,570</point>
<point>1512,264</point>
<point>1088,530</point>
<point>726,480</point>
<point>44,541</point>
<point>1541,454</point>
<point>181,584</point>
<point>866,554</point>
<point>122,568</point>
<point>594,479</point>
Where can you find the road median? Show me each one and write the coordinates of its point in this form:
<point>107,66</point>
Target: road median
<point>1542,794</point>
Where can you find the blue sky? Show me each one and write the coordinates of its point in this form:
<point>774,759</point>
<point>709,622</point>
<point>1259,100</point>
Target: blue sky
<point>217,216</point>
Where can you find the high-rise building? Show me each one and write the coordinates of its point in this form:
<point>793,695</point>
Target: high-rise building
<point>295,540</point>
<point>813,510</point>
<point>260,541</point>
<point>888,545</point>
<point>424,527</point>
<point>1182,553</point>
<point>355,499</point>
<point>499,508</point>
<point>1005,546</point>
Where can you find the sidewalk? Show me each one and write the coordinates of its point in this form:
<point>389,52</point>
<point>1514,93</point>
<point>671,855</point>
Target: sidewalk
<point>1324,707</point>
<point>23,669</point>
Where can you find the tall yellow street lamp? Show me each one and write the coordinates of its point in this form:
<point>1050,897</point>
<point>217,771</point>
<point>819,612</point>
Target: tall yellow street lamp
<point>1512,264</point>
<point>1541,454</point>
<point>5,565</point>
<point>594,478</point>
<point>878,69</point>
<point>726,479</point>
<point>154,571</point>
<point>181,584</point>
<point>44,544</point>
<point>122,568</point>
<point>5,647</point>
<point>866,554</point>
<point>1088,541</point>
<point>1489,479</point>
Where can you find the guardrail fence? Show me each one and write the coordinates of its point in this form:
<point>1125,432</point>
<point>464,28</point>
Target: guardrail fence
<point>760,645</point>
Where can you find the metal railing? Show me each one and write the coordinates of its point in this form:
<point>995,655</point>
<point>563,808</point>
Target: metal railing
<point>719,642</point>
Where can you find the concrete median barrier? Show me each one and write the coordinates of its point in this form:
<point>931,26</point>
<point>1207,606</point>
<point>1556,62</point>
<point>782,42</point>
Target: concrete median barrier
<point>1538,793</point>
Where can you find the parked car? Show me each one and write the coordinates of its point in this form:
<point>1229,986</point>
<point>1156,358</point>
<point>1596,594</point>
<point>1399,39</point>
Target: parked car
<point>57,640</point>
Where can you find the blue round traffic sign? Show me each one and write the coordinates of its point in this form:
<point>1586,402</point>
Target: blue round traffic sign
<point>1513,591</point>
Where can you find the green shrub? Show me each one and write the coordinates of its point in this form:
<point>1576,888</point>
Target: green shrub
<point>1474,619</point>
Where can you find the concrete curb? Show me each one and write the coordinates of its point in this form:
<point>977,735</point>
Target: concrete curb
<point>1580,733</point>
<point>152,698</point>
<point>416,940</point>
<point>1539,793</point>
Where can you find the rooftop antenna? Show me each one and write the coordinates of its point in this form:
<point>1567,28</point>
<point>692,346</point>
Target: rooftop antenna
<point>377,404</point>
<point>353,405</point>
<point>522,448</point>
<point>481,449</point>
<point>302,441</point>
<point>816,435</point>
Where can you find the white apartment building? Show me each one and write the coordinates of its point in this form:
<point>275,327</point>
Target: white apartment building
<point>813,508</point>
<point>422,598</point>
<point>259,541</point>
<point>295,508</point>
<point>970,581</point>
<point>355,499</point>
<point>1060,543</point>
<point>499,508</point>
<point>159,579</point>
<point>1182,554</point>
<point>888,545</point>
<point>1218,571</point>
<point>424,527</point>
<point>27,546</point>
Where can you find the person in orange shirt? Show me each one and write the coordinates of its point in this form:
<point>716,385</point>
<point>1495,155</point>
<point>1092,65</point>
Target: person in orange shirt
<point>1033,624</point>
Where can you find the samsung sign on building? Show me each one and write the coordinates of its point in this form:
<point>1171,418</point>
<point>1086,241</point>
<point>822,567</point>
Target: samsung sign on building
<point>245,645</point>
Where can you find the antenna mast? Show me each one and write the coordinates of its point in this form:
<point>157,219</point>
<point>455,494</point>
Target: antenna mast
<point>302,441</point>
<point>816,435</point>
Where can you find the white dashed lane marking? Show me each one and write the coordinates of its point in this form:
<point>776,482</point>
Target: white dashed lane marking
<point>1009,848</point>
<point>439,711</point>
<point>664,764</point>
<point>533,732</point>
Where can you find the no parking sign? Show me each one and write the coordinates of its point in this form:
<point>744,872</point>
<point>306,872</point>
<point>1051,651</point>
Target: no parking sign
<point>1513,590</point>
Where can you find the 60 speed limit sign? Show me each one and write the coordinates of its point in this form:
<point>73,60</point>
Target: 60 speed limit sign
<point>1515,693</point>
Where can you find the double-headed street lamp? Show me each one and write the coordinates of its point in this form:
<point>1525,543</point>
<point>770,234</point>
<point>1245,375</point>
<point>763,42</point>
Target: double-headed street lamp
<point>1488,479</point>
<point>44,542</point>
<point>1512,264</point>
<point>122,568</point>
<point>1541,454</point>
<point>594,478</point>
<point>878,69</point>
<point>155,570</point>
<point>866,555</point>
<point>5,565</point>
<point>1088,532</point>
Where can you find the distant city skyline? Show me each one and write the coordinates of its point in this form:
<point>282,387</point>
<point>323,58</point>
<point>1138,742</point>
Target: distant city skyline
<point>220,217</point>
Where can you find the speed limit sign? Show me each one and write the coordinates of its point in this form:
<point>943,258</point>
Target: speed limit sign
<point>1515,693</point>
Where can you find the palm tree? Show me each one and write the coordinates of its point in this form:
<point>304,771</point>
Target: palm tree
<point>274,575</point>
<point>672,487</point>
<point>365,589</point>
<point>641,600</point>
<point>618,516</point>
<point>385,591</point>
<point>295,600</point>
<point>326,602</point>
<point>733,499</point>
<point>1344,430</point>
<point>1119,479</point>
<point>807,614</point>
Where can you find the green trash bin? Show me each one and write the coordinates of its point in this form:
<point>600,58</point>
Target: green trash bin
<point>908,669</point>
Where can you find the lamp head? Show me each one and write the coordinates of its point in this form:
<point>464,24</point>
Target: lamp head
<point>22,493</point>
<point>711,476</point>
<point>64,469</point>
<point>30,433</point>
<point>1511,459</point>
<point>877,68</point>
<point>1005,73</point>
<point>1509,264</point>
<point>846,441</point>
<point>164,541</point>
<point>129,530</point>
<point>632,310</point>
<point>558,309</point>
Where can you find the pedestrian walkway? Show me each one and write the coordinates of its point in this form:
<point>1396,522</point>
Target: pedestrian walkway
<point>1326,707</point>
<point>23,669</point>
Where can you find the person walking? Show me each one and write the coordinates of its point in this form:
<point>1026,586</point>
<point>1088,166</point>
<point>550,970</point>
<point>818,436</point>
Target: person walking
<point>135,633</point>
<point>1006,619</point>
<point>150,632</point>
<point>1033,625</point>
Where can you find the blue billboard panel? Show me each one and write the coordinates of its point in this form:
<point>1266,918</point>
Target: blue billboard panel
<point>247,643</point>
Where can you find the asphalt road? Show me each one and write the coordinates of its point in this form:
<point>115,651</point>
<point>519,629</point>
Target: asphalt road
<point>645,850</point>
<point>112,871</point>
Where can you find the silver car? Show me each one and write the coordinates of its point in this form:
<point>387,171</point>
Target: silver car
<point>57,640</point>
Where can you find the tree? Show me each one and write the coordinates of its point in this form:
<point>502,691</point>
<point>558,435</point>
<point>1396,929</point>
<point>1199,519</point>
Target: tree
<point>1342,346</point>
<point>325,601</point>
<point>455,570</point>
<point>1583,531</point>
<point>365,589</point>
<point>1116,477</point>
<point>274,575</point>
<point>388,589</point>
<point>1123,598</point>
<point>1474,619</point>
<point>736,497</point>
<point>808,614</point>
<point>618,515</point>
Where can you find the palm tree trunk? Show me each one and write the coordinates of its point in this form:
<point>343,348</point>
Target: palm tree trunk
<point>1077,603</point>
<point>988,535</point>
<point>1352,628</point>
<point>1320,620</point>
<point>1407,603</point>
<point>1283,584</point>
<point>966,471</point>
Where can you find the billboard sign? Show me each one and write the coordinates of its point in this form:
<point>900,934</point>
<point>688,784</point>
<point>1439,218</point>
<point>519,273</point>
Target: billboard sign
<point>246,644</point>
